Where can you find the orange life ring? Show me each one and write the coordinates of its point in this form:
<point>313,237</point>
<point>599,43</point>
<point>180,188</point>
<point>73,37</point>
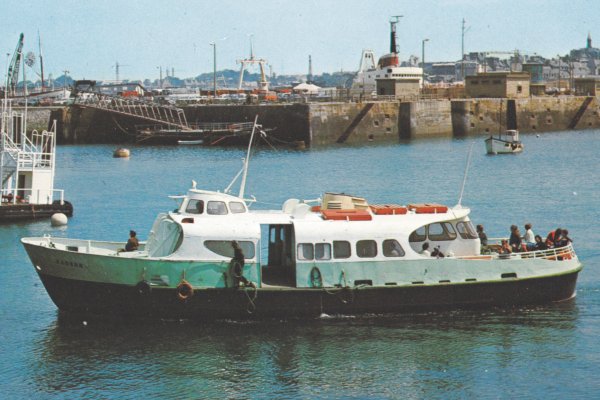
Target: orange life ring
<point>184,290</point>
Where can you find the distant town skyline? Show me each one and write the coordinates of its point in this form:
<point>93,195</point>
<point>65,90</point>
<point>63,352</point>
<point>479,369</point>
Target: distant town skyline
<point>89,38</point>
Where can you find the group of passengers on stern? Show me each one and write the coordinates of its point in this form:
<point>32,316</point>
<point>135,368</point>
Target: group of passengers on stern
<point>528,242</point>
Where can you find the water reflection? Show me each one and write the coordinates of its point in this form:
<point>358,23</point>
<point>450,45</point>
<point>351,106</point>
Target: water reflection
<point>417,355</point>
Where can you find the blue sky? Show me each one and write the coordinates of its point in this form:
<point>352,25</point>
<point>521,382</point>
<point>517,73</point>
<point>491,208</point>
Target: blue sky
<point>89,37</point>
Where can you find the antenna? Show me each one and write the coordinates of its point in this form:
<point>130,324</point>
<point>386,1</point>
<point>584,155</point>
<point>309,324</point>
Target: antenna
<point>462,189</point>
<point>462,55</point>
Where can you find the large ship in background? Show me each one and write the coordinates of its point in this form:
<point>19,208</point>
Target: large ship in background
<point>388,66</point>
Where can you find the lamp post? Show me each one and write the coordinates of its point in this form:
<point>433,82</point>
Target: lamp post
<point>214,45</point>
<point>423,62</point>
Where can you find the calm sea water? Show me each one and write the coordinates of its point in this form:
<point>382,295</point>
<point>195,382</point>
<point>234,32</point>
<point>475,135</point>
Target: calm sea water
<point>550,352</point>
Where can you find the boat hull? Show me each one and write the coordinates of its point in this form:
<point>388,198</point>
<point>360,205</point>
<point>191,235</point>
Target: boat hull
<point>93,298</point>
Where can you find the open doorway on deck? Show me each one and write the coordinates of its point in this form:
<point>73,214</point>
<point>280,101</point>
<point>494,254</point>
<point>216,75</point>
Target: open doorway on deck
<point>277,257</point>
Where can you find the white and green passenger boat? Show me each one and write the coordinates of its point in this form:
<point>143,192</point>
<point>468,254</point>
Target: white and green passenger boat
<point>340,256</point>
<point>343,256</point>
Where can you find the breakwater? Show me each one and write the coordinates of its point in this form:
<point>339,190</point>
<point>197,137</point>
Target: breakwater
<point>319,124</point>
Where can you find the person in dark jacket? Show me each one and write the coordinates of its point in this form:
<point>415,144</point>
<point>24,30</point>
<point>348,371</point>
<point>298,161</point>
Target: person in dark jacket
<point>238,262</point>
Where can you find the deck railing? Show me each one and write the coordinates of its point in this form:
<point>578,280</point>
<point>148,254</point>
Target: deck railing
<point>558,253</point>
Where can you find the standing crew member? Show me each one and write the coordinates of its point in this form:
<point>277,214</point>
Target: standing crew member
<point>238,262</point>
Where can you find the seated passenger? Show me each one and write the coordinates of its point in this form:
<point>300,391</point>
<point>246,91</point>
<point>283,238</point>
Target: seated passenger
<point>553,237</point>
<point>425,250</point>
<point>564,239</point>
<point>132,244</point>
<point>539,243</point>
<point>505,247</point>
<point>515,240</point>
<point>437,253</point>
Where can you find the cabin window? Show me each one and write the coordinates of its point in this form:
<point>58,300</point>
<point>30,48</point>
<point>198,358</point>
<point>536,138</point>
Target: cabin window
<point>391,248</point>
<point>216,208</point>
<point>341,249</point>
<point>466,230</point>
<point>306,251</point>
<point>223,247</point>
<point>418,236</point>
<point>195,207</point>
<point>366,248</point>
<point>323,251</point>
<point>237,207</point>
<point>441,231</point>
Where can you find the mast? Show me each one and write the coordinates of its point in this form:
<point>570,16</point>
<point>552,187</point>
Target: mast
<point>393,45</point>
<point>41,60</point>
<point>247,160</point>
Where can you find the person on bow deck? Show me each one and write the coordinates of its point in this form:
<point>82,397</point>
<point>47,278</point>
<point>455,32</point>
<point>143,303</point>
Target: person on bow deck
<point>133,243</point>
<point>529,237</point>
<point>553,237</point>
<point>515,240</point>
<point>564,239</point>
<point>540,244</point>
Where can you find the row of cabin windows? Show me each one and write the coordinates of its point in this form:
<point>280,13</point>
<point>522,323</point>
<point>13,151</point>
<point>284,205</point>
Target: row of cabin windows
<point>343,249</point>
<point>214,207</point>
<point>442,231</point>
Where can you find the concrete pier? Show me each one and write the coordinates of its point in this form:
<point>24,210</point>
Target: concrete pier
<point>320,124</point>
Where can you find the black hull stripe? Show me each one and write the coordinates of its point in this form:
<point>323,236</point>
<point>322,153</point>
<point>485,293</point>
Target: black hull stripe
<point>109,299</point>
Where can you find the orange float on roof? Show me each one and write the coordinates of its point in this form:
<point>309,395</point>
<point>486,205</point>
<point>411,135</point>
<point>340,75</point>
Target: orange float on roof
<point>388,209</point>
<point>428,208</point>
<point>347,215</point>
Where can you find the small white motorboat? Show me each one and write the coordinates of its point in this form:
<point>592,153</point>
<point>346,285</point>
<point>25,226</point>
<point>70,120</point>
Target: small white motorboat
<point>505,143</point>
<point>199,141</point>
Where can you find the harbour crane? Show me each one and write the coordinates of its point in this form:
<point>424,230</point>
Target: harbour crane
<point>13,70</point>
<point>515,53</point>
<point>263,84</point>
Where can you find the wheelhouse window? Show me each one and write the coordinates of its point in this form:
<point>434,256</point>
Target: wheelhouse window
<point>441,231</point>
<point>466,230</point>
<point>366,248</point>
<point>305,251</point>
<point>195,207</point>
<point>323,251</point>
<point>236,207</point>
<point>341,249</point>
<point>391,248</point>
<point>216,208</point>
<point>223,247</point>
<point>418,236</point>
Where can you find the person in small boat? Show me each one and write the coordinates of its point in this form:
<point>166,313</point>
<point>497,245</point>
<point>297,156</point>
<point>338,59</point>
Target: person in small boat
<point>539,243</point>
<point>425,250</point>
<point>133,243</point>
<point>237,263</point>
<point>515,240</point>
<point>437,253</point>
<point>529,237</point>
<point>553,238</point>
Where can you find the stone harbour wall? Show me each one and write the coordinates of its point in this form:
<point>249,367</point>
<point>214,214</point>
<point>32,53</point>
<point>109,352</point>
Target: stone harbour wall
<point>320,124</point>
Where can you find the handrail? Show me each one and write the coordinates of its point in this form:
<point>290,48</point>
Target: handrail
<point>15,199</point>
<point>557,253</point>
